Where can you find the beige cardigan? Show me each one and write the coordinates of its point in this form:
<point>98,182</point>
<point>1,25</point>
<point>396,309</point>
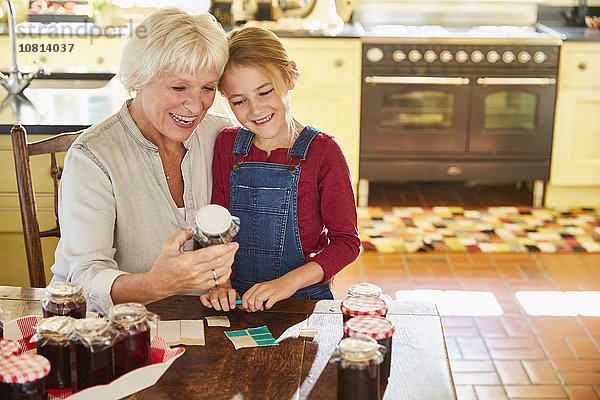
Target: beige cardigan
<point>114,204</point>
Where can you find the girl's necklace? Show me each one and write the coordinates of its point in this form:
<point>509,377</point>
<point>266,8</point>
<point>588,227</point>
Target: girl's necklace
<point>171,169</point>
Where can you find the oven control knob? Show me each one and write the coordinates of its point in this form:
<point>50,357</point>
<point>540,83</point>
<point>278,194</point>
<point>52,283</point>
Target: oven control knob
<point>508,57</point>
<point>374,54</point>
<point>430,56</point>
<point>524,57</point>
<point>476,56</point>
<point>492,56</point>
<point>445,56</point>
<point>414,55</point>
<point>539,57</point>
<point>398,56</point>
<point>461,56</point>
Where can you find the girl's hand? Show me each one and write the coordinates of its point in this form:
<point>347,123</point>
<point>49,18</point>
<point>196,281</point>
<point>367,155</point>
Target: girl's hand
<point>266,294</point>
<point>220,298</point>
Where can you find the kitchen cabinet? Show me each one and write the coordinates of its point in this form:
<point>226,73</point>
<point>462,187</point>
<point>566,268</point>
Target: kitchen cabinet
<point>575,169</point>
<point>328,93</point>
<point>64,53</point>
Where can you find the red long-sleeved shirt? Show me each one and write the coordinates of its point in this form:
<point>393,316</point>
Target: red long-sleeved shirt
<point>326,210</point>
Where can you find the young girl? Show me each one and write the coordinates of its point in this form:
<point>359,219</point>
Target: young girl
<point>288,183</point>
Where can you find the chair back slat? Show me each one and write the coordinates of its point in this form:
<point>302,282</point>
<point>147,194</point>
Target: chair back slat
<point>22,150</point>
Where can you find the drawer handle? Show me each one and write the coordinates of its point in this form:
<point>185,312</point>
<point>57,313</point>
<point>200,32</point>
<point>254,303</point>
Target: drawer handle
<point>100,60</point>
<point>454,171</point>
<point>43,59</point>
<point>339,62</point>
<point>582,66</point>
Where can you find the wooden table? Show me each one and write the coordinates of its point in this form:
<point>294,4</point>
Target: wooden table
<point>296,369</point>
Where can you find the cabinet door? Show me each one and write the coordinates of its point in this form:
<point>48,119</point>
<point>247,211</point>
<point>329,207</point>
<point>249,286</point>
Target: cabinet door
<point>328,93</point>
<point>576,148</point>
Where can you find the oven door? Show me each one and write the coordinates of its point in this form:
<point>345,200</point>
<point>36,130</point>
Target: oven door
<point>512,115</point>
<point>404,114</point>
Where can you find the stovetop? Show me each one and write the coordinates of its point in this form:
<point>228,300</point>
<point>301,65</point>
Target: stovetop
<point>487,34</point>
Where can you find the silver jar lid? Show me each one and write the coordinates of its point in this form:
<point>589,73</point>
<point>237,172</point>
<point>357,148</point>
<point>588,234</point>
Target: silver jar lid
<point>213,219</point>
<point>63,289</point>
<point>127,313</point>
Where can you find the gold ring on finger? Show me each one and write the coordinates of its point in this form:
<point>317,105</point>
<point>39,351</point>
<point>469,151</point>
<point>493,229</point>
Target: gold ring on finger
<point>216,282</point>
<point>215,276</point>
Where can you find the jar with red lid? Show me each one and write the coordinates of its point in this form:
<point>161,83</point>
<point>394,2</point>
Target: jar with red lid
<point>93,339</point>
<point>363,305</point>
<point>52,339</point>
<point>132,350</point>
<point>23,377</point>
<point>379,329</point>
<point>8,348</point>
<point>364,289</point>
<point>63,298</point>
<point>358,362</point>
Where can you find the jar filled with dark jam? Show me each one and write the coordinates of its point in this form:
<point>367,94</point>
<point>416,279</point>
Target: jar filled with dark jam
<point>363,305</point>
<point>23,377</point>
<point>62,298</point>
<point>52,339</point>
<point>364,289</point>
<point>132,350</point>
<point>8,348</point>
<point>358,369</point>
<point>93,340</point>
<point>379,329</point>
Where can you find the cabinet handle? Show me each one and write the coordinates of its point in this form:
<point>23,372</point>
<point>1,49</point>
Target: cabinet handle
<point>43,59</point>
<point>582,66</point>
<point>100,60</point>
<point>339,62</point>
<point>454,171</point>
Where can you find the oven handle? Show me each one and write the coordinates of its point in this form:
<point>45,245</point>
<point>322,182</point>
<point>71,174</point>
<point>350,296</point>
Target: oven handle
<point>516,81</point>
<point>417,80</point>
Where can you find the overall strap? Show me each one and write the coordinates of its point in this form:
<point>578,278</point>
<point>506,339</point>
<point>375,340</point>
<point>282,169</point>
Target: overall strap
<point>302,143</point>
<point>243,141</point>
<point>241,146</point>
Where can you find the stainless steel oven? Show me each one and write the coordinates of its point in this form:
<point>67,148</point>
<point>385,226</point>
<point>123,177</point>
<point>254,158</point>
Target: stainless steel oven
<point>435,109</point>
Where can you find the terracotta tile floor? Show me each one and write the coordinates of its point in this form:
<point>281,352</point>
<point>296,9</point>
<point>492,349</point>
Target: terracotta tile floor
<point>515,355</point>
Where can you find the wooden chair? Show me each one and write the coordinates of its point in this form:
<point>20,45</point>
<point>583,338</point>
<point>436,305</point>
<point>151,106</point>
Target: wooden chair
<point>22,150</point>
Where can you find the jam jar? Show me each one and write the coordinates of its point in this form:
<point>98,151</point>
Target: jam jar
<point>23,377</point>
<point>377,328</point>
<point>363,305</point>
<point>62,298</point>
<point>52,339</point>
<point>364,289</point>
<point>132,349</point>
<point>358,369</point>
<point>93,339</point>
<point>214,225</point>
<point>8,348</point>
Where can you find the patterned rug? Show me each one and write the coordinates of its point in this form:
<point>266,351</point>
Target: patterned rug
<point>491,230</point>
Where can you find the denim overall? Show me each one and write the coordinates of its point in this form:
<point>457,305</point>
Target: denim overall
<point>264,197</point>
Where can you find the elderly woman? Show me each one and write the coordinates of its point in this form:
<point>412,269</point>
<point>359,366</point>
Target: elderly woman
<point>132,182</point>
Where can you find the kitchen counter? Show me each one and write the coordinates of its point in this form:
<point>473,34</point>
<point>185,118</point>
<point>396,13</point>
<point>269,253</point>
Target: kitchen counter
<point>57,110</point>
<point>573,33</point>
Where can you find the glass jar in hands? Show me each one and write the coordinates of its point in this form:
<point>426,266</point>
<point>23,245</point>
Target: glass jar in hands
<point>214,225</point>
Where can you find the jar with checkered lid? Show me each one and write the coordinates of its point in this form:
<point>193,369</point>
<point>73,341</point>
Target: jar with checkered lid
<point>52,339</point>
<point>63,298</point>
<point>93,339</point>
<point>363,305</point>
<point>377,328</point>
<point>8,348</point>
<point>132,350</point>
<point>24,377</point>
<point>358,361</point>
<point>364,289</point>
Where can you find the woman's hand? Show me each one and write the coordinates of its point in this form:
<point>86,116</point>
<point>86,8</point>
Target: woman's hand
<point>194,270</point>
<point>221,298</point>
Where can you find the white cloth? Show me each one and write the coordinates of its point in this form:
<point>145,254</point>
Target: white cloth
<point>115,207</point>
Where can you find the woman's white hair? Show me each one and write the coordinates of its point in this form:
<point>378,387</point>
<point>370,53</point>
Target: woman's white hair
<point>170,39</point>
